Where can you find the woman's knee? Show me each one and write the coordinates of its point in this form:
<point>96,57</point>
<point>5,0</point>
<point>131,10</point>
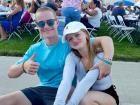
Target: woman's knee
<point>88,100</point>
<point>97,98</point>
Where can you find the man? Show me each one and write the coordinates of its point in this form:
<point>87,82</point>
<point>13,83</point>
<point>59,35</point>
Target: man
<point>119,11</point>
<point>46,59</point>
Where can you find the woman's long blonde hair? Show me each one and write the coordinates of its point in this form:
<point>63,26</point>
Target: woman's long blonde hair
<point>21,3</point>
<point>91,50</point>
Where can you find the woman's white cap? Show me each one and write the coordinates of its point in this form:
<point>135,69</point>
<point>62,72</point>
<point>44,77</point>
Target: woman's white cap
<point>72,27</point>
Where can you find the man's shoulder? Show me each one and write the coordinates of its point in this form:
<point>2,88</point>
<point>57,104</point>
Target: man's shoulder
<point>37,45</point>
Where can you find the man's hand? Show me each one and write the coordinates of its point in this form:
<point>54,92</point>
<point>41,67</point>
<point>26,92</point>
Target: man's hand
<point>104,68</point>
<point>30,66</point>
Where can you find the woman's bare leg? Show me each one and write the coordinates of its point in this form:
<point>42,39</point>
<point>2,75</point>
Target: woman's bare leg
<point>3,33</point>
<point>97,98</point>
<point>15,98</point>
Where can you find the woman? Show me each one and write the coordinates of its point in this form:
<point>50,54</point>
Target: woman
<point>80,62</point>
<point>12,22</point>
<point>35,4</point>
<point>93,14</point>
<point>71,9</point>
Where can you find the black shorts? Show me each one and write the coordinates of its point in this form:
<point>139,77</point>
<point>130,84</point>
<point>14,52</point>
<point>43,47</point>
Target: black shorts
<point>40,95</point>
<point>111,91</point>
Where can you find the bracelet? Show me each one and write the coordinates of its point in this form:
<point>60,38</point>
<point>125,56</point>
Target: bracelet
<point>23,68</point>
<point>105,60</point>
<point>109,59</point>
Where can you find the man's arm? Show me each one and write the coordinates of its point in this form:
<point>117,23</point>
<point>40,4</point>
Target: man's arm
<point>15,71</point>
<point>30,67</point>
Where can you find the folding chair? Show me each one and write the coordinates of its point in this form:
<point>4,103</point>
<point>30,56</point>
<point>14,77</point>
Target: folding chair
<point>26,22</point>
<point>126,31</point>
<point>115,28</point>
<point>35,27</point>
<point>15,32</point>
<point>92,32</point>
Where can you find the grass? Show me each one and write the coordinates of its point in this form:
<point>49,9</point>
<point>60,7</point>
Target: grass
<point>124,51</point>
<point>15,46</point>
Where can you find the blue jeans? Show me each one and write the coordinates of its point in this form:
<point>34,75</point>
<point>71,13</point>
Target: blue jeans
<point>71,14</point>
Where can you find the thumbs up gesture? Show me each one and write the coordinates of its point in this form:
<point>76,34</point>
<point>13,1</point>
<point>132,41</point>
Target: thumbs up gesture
<point>30,66</point>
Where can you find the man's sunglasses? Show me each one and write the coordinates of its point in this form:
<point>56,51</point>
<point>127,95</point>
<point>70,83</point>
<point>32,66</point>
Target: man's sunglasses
<point>42,23</point>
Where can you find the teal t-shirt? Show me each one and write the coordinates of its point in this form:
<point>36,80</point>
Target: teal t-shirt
<point>51,59</point>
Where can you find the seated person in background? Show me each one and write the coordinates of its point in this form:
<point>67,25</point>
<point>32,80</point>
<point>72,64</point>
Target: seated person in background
<point>34,6</point>
<point>11,4</point>
<point>4,6</point>
<point>50,4</point>
<point>71,10</point>
<point>93,13</point>
<point>119,11</point>
<point>128,10</point>
<point>137,8</point>
<point>55,5</point>
<point>58,4</point>
<point>110,7</point>
<point>80,62</point>
<point>12,22</point>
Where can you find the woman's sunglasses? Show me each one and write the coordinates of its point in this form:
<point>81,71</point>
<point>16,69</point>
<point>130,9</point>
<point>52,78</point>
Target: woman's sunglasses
<point>42,23</point>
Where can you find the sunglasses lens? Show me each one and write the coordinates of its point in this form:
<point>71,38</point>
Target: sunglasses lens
<point>50,22</point>
<point>41,24</point>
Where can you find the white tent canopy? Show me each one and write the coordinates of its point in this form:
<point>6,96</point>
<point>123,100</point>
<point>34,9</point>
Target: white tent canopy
<point>27,1</point>
<point>112,1</point>
<point>137,3</point>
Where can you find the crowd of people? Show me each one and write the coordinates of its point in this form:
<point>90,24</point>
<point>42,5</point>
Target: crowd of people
<point>125,11</point>
<point>81,74</point>
<point>70,10</point>
<point>11,22</point>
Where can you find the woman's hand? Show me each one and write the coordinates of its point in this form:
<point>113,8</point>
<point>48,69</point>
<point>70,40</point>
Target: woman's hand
<point>84,7</point>
<point>104,68</point>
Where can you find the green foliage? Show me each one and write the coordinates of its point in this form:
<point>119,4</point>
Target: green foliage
<point>123,51</point>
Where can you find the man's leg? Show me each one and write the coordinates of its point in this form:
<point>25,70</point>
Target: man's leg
<point>15,98</point>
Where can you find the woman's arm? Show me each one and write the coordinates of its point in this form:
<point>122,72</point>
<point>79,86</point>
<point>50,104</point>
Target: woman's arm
<point>66,83</point>
<point>16,10</point>
<point>83,87</point>
<point>91,12</point>
<point>31,8</point>
<point>106,44</point>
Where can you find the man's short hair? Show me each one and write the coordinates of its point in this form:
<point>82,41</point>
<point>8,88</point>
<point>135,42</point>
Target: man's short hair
<point>44,8</point>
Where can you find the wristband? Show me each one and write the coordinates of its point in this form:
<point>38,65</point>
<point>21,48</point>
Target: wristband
<point>105,61</point>
<point>23,68</point>
<point>109,59</point>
